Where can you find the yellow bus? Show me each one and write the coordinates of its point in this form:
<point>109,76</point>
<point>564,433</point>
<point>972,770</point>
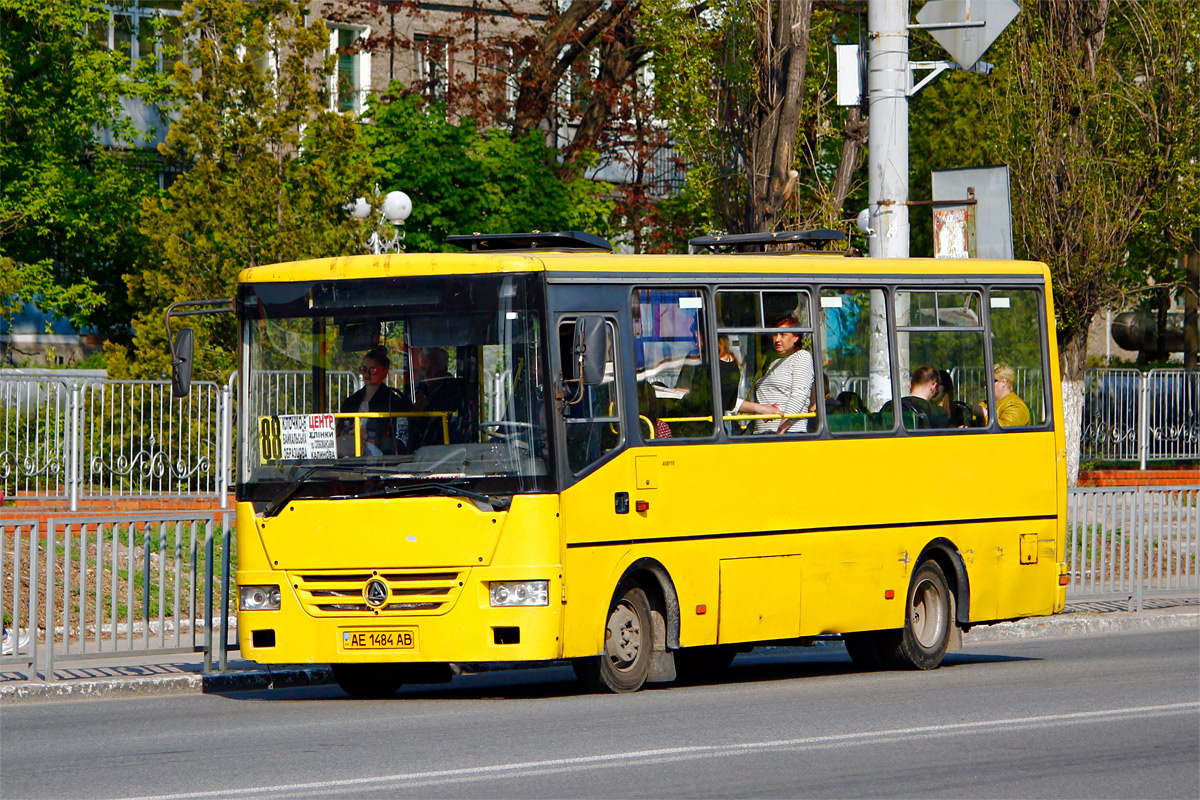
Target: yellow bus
<point>538,449</point>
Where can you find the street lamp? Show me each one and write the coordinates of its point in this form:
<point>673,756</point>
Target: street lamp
<point>397,206</point>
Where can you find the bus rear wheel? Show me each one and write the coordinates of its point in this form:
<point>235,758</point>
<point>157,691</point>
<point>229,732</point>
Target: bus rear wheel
<point>368,681</point>
<point>928,620</point>
<point>922,642</point>
<point>628,645</point>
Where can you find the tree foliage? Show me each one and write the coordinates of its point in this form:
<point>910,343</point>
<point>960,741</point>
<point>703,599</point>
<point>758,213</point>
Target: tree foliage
<point>67,204</point>
<point>462,180</point>
<point>747,88</point>
<point>269,170</point>
<point>1098,121</point>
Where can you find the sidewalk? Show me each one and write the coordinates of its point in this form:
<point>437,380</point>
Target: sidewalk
<point>145,675</point>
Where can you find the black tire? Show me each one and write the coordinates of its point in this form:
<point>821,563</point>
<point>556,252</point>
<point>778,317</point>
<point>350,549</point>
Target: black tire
<point>699,664</point>
<point>927,621</point>
<point>368,681</point>
<point>922,642</point>
<point>628,645</point>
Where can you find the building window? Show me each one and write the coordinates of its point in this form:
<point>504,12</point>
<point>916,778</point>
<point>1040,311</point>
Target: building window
<point>433,64</point>
<point>143,30</point>
<point>352,75</point>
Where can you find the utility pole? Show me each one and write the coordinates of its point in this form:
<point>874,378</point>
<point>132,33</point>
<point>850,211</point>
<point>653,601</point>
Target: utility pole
<point>887,126</point>
<point>887,164</point>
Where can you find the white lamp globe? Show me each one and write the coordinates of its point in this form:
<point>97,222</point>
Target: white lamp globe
<point>396,207</point>
<point>864,221</point>
<point>361,208</point>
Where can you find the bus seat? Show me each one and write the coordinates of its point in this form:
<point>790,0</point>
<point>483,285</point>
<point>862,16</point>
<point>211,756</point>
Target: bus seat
<point>842,423</point>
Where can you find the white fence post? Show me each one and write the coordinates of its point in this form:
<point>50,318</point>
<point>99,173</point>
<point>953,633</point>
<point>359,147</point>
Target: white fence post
<point>1143,420</point>
<point>74,447</point>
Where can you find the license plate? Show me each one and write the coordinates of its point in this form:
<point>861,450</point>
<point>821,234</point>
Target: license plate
<point>387,639</point>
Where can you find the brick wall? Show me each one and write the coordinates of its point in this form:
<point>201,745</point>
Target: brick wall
<point>1164,476</point>
<point>44,508</point>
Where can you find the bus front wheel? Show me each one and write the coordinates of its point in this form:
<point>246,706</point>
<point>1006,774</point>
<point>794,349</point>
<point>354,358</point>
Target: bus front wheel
<point>628,645</point>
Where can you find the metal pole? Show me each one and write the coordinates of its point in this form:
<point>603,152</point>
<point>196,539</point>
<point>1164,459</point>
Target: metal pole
<point>1143,420</point>
<point>1140,538</point>
<point>208,589</point>
<point>51,533</point>
<point>887,126</point>
<point>74,450</point>
<point>225,439</point>
<point>887,149</point>
<point>225,546</point>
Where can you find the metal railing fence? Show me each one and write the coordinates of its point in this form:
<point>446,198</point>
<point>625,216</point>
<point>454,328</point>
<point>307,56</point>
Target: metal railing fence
<point>102,438</point>
<point>97,587</point>
<point>1134,416</point>
<point>106,438</point>
<point>1131,542</point>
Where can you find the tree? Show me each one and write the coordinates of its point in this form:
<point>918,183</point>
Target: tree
<point>1097,120</point>
<point>750,104</point>
<point>269,168</point>
<point>67,204</point>
<point>463,180</point>
<point>568,73</point>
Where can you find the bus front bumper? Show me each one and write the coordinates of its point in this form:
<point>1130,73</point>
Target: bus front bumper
<point>468,629</point>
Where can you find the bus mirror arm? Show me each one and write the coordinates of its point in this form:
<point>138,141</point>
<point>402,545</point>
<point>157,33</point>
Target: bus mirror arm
<point>182,346</point>
<point>589,351</point>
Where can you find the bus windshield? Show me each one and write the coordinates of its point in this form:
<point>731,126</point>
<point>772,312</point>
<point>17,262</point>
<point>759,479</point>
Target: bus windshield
<point>381,386</point>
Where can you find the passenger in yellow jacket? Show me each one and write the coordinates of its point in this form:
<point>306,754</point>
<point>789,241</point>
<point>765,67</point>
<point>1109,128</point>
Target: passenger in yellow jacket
<point>1011,411</point>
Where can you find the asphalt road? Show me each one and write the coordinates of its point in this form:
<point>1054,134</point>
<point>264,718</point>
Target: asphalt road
<point>1091,716</point>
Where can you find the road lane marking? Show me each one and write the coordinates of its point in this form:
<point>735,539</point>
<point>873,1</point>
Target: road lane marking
<point>684,753</point>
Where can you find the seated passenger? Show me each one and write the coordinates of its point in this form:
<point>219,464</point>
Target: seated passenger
<point>849,403</point>
<point>921,387</point>
<point>786,387</point>
<point>379,436</point>
<point>438,390</point>
<point>1011,411</point>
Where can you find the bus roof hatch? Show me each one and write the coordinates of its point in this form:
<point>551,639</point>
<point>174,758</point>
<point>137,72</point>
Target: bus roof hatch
<point>536,240</point>
<point>744,241</point>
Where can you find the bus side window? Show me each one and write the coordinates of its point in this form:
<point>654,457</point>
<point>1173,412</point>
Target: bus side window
<point>765,348</point>
<point>674,373</point>
<point>857,387</point>
<point>939,338</point>
<point>1018,372</point>
<point>593,416</point>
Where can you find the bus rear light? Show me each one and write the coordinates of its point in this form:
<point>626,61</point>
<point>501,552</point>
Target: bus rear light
<point>1064,580</point>
<point>520,593</point>
<point>259,598</point>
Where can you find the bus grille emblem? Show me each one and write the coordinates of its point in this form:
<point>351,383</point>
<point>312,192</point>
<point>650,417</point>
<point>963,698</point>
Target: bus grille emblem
<point>376,593</point>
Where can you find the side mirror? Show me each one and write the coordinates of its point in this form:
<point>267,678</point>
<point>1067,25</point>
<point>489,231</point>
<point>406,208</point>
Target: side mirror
<point>589,350</point>
<point>181,364</point>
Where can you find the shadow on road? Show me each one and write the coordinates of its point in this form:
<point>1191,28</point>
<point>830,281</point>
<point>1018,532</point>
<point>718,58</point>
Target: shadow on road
<point>827,659</point>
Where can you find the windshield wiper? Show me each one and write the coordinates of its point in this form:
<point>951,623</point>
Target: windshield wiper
<point>500,503</point>
<point>289,491</point>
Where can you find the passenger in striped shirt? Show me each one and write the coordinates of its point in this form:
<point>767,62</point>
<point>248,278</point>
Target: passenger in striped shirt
<point>786,387</point>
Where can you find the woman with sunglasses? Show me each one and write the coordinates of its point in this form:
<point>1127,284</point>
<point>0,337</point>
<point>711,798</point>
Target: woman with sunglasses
<point>381,436</point>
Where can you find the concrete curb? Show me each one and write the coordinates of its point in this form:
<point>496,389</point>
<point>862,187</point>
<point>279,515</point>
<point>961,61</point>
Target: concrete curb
<point>1073,624</point>
<point>1086,622</point>
<point>159,685</point>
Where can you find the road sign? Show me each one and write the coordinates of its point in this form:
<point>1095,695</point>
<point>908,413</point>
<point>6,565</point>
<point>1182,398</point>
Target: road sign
<point>967,44</point>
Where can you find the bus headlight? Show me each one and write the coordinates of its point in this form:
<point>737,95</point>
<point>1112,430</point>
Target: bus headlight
<point>520,593</point>
<point>259,598</point>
